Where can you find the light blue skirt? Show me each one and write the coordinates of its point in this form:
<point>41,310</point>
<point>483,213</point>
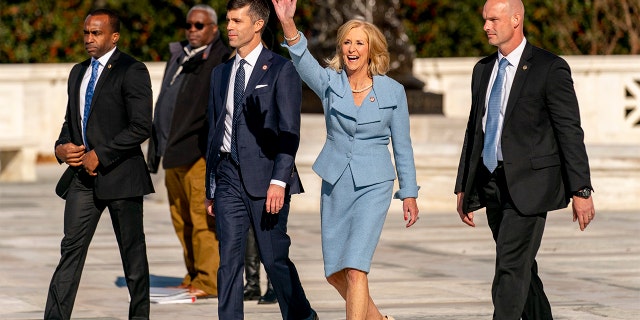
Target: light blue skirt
<point>352,220</point>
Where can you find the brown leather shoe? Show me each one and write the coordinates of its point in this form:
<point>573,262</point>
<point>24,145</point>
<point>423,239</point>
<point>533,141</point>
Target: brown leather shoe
<point>199,293</point>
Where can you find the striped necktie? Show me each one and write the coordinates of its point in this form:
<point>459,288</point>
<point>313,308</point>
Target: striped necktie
<point>490,151</point>
<point>238,93</point>
<point>87,99</point>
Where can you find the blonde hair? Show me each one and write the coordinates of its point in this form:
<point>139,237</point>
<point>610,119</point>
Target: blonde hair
<point>378,49</point>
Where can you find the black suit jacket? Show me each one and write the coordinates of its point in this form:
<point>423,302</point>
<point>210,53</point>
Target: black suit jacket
<point>187,141</point>
<point>269,127</point>
<point>119,121</point>
<point>545,160</point>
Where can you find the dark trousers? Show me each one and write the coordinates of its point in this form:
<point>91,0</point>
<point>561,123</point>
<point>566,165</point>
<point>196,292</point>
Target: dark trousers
<point>517,290</point>
<point>236,212</point>
<point>81,215</point>
<point>252,265</point>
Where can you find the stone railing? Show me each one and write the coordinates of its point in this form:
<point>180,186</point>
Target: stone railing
<point>608,90</point>
<point>33,98</point>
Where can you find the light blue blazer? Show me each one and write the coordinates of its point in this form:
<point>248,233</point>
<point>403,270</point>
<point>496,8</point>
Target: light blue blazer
<point>359,136</point>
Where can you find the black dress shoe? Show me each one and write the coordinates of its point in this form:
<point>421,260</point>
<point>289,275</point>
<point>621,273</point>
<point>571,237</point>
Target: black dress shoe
<point>269,297</point>
<point>251,293</point>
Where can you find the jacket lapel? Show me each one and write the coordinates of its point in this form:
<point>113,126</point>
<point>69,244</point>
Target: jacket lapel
<point>223,88</point>
<point>106,70</point>
<point>343,103</point>
<point>259,70</point>
<point>375,101</point>
<point>75,98</point>
<point>482,90</point>
<point>370,109</point>
<point>518,81</point>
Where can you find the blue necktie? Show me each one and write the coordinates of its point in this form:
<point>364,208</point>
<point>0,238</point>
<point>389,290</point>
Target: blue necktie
<point>490,152</point>
<point>238,93</point>
<point>87,99</point>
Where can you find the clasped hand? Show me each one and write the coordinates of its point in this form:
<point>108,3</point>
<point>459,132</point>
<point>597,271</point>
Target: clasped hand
<point>76,156</point>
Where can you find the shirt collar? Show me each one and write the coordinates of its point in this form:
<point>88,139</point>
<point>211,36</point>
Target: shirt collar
<point>105,57</point>
<point>252,57</point>
<point>515,55</point>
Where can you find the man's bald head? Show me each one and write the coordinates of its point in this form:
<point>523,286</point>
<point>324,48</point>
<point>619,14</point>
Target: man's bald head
<point>504,23</point>
<point>516,6</point>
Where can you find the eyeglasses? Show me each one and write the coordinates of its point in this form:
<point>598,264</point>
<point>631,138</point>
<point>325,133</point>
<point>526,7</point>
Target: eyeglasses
<point>198,25</point>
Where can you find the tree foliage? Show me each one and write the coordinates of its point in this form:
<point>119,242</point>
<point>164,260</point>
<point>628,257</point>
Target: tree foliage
<point>51,31</point>
<point>453,28</point>
<point>587,27</point>
<point>446,28</point>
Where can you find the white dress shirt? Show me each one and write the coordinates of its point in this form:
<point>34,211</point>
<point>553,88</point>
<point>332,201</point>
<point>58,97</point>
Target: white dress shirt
<point>514,60</point>
<point>251,59</point>
<point>85,81</point>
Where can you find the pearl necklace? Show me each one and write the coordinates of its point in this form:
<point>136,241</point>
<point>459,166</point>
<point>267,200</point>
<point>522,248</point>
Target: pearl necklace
<point>363,89</point>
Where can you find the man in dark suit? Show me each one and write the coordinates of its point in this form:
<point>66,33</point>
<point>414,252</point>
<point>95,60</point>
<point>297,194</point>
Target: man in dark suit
<point>179,137</point>
<point>523,155</point>
<point>254,108</point>
<point>108,116</point>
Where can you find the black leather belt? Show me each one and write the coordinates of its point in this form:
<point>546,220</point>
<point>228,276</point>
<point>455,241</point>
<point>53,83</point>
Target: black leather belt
<point>225,156</point>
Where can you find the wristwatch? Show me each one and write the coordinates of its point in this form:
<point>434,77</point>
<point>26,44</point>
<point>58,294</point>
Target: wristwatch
<point>584,193</point>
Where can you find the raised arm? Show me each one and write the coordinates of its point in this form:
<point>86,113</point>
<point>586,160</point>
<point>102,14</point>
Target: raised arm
<point>285,10</point>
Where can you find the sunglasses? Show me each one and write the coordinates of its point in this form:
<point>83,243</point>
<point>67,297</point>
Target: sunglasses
<point>198,25</point>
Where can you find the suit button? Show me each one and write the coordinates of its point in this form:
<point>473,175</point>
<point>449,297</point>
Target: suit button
<point>350,138</point>
<point>349,155</point>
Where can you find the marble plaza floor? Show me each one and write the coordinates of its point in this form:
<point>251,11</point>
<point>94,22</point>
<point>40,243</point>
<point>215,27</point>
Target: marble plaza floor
<point>439,269</point>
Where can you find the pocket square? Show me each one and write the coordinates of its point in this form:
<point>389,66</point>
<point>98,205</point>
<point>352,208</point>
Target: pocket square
<point>261,86</point>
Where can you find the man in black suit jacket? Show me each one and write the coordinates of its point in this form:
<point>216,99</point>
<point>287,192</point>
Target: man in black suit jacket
<point>100,141</point>
<point>250,165</point>
<point>541,158</point>
<point>179,137</point>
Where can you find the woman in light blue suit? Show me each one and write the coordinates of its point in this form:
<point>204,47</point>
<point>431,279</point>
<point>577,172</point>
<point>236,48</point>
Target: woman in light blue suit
<point>364,110</point>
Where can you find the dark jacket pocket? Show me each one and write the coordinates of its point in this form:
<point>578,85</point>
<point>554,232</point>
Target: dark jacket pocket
<point>545,161</point>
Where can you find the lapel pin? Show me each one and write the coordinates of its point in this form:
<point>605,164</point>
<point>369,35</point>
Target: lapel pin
<point>109,66</point>
<point>372,99</point>
<point>525,67</point>
<point>264,67</point>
